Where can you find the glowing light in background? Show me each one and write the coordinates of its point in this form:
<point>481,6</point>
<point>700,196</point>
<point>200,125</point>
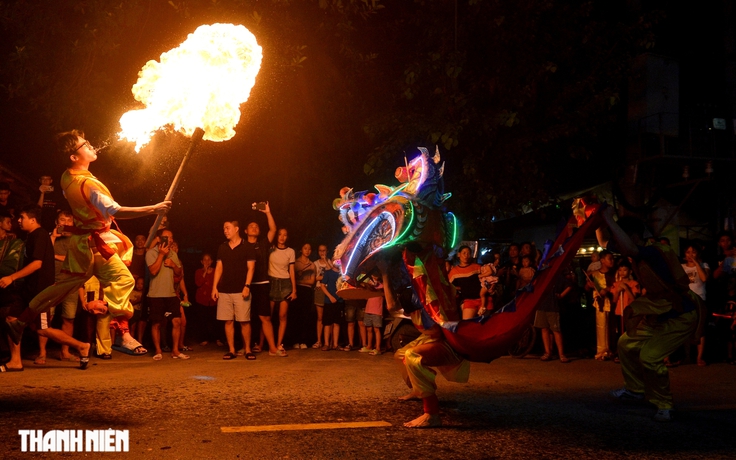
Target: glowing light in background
<point>199,84</point>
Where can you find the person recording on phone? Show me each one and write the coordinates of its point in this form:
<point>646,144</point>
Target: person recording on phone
<point>164,265</point>
<point>50,202</point>
<point>260,288</point>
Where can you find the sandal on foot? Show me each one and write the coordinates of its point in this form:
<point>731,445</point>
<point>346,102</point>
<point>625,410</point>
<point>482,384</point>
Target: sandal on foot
<point>180,356</point>
<point>326,348</point>
<point>131,347</point>
<point>564,359</point>
<point>71,358</point>
<point>257,349</point>
<point>40,360</point>
<point>158,357</point>
<point>4,368</point>
<point>250,356</point>
<point>317,345</point>
<point>83,362</point>
<point>545,357</point>
<point>228,356</point>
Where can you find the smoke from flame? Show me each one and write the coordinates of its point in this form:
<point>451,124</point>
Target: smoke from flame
<point>199,84</point>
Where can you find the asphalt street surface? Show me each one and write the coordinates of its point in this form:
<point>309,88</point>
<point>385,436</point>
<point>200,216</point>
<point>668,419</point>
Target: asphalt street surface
<point>511,408</point>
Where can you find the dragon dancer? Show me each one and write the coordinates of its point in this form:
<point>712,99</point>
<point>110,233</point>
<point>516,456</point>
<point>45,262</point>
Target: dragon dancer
<point>94,248</point>
<point>406,233</point>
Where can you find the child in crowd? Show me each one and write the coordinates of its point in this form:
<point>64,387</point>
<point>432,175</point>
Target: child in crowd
<point>698,272</point>
<point>624,291</point>
<point>488,280</point>
<point>373,319</point>
<point>595,262</point>
<point>333,308</point>
<point>526,272</point>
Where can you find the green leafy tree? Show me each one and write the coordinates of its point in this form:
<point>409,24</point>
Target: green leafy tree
<point>523,98</point>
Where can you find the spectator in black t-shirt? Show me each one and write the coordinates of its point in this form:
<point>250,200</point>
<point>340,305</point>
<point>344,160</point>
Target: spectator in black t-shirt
<point>38,271</point>
<point>260,285</point>
<point>236,263</point>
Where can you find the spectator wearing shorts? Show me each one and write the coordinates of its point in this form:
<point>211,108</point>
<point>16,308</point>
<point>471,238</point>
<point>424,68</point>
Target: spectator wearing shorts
<point>321,264</point>
<point>164,264</point>
<point>261,286</point>
<point>68,307</point>
<point>231,287</point>
<point>333,308</point>
<point>373,320</point>
<point>354,311</point>
<point>548,320</point>
<point>38,271</point>
<point>283,280</point>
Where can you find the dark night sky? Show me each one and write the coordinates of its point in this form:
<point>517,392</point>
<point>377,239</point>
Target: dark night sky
<point>285,148</point>
<point>278,154</point>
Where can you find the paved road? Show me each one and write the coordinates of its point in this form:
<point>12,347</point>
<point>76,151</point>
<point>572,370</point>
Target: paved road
<point>510,409</point>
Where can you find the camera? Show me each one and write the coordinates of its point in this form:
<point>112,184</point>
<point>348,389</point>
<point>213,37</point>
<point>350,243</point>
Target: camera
<point>164,240</point>
<point>260,206</point>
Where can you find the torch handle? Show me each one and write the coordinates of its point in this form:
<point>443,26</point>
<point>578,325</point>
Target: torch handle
<point>196,137</point>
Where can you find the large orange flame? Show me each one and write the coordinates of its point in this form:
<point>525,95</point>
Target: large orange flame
<point>199,84</point>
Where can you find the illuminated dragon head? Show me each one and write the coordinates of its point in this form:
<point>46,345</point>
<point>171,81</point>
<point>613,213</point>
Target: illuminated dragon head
<point>376,223</point>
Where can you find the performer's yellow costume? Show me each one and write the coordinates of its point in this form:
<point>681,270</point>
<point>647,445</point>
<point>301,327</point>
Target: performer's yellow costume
<point>102,325</point>
<point>94,249</point>
<point>663,319</point>
<point>430,349</point>
<point>416,368</point>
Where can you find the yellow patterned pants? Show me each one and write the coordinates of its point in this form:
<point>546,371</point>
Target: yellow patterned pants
<point>417,357</point>
<point>114,277</point>
<point>642,355</point>
<point>104,339</point>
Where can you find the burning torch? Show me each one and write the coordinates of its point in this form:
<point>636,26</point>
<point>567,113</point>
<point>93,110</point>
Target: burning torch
<point>195,89</point>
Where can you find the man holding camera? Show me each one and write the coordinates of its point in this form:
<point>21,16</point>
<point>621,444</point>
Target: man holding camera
<point>164,264</point>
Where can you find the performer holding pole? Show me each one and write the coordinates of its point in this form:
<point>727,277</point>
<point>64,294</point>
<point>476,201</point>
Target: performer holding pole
<point>196,137</point>
<point>94,249</point>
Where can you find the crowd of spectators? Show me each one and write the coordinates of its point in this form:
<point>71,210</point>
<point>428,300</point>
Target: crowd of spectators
<point>282,300</point>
